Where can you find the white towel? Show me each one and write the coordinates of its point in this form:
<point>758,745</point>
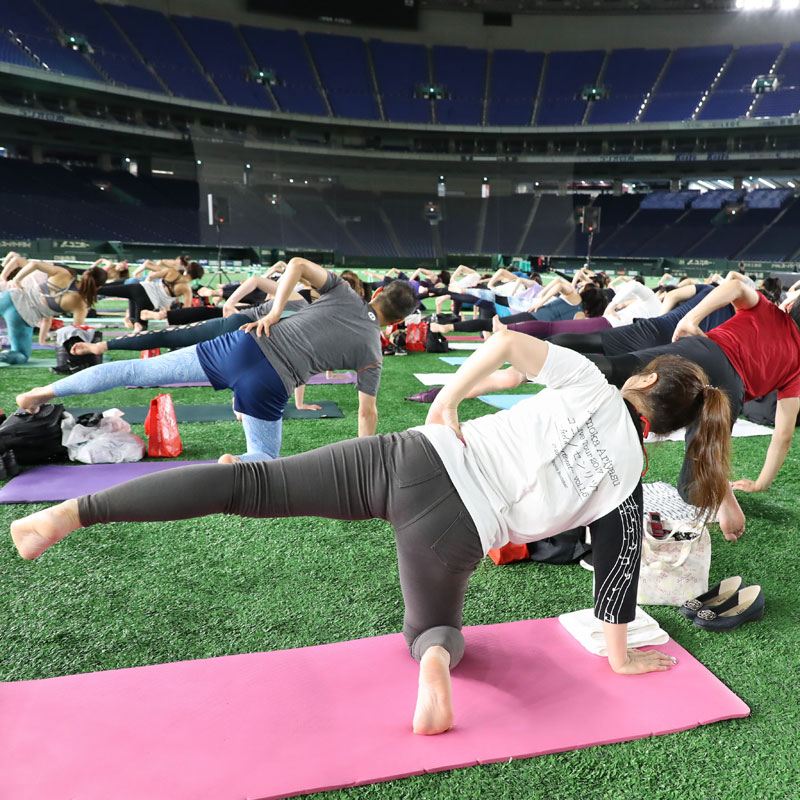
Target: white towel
<point>588,630</point>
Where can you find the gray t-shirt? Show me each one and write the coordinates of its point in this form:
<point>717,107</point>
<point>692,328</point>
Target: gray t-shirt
<point>254,313</point>
<point>338,331</point>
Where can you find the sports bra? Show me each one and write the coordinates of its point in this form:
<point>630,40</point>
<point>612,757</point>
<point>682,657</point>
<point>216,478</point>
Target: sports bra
<point>53,295</point>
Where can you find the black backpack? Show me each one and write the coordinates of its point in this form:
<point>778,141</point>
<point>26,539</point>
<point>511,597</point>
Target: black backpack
<point>66,363</point>
<point>436,343</point>
<point>34,438</point>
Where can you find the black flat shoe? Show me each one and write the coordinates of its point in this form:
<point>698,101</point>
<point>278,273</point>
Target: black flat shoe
<point>747,605</point>
<point>713,598</point>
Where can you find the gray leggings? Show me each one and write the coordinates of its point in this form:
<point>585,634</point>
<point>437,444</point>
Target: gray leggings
<point>399,478</point>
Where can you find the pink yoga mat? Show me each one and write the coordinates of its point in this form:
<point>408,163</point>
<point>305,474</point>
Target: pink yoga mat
<point>452,337</point>
<point>289,722</point>
<point>55,483</point>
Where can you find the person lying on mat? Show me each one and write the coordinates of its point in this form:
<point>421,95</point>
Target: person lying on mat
<point>266,360</point>
<point>24,306</point>
<point>568,456</point>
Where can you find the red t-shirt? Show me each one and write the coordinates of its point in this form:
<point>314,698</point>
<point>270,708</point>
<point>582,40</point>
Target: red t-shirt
<point>763,344</point>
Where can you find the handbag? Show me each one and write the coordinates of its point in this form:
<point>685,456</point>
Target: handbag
<point>674,568</point>
<point>161,427</point>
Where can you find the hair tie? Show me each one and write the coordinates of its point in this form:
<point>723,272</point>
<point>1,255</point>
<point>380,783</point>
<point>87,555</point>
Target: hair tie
<point>708,386</point>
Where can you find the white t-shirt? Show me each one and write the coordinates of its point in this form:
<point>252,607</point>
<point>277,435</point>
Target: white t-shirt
<point>644,306</point>
<point>467,282</point>
<point>561,459</point>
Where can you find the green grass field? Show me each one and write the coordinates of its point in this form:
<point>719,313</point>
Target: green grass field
<point>132,594</point>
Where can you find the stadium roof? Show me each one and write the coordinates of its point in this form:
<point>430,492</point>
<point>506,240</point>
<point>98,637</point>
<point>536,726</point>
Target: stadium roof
<point>552,7</point>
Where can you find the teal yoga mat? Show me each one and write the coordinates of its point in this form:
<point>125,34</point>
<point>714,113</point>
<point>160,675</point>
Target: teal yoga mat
<point>135,415</point>
<point>40,363</point>
<point>453,361</point>
<point>504,401</point>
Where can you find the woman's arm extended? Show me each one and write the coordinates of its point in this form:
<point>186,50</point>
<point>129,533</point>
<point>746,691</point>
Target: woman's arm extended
<point>781,441</point>
<point>526,354</point>
<point>740,294</point>
<point>44,266</point>
<point>248,285</point>
<point>557,286</point>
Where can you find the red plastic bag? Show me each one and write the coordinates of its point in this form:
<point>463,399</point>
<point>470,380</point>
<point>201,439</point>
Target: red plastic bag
<point>416,336</point>
<point>155,351</point>
<point>509,553</point>
<point>161,427</point>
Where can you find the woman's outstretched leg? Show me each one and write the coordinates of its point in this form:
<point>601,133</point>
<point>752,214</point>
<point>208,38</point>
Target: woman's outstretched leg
<point>175,336</point>
<point>180,366</point>
<point>346,480</point>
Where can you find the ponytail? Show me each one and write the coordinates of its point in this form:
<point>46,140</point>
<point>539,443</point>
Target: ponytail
<point>710,451</point>
<point>91,281</point>
<point>680,397</point>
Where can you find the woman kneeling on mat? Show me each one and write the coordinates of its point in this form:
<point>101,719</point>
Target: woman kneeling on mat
<point>569,456</point>
<point>24,307</point>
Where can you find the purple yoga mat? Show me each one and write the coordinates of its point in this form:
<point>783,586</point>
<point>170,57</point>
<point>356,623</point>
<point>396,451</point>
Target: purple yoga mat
<point>342,377</point>
<point>316,380</point>
<point>56,483</point>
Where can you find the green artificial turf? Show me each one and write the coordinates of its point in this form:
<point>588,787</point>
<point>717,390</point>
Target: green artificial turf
<point>127,595</point>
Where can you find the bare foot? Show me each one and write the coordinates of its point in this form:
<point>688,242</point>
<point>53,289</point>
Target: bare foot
<point>85,348</point>
<point>147,314</point>
<point>30,401</point>
<point>437,328</point>
<point>138,327</point>
<point>227,458</point>
<point>33,534</point>
<point>434,711</point>
<point>127,322</point>
<point>497,326</point>
<point>731,517</point>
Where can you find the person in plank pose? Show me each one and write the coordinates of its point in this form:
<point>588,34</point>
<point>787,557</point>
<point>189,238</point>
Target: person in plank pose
<point>267,359</point>
<point>568,456</point>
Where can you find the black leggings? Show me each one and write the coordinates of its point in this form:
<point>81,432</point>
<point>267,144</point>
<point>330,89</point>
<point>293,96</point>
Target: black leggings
<point>485,324</point>
<point>581,342</point>
<point>702,351</point>
<point>186,316</point>
<point>399,478</point>
<point>180,335</point>
<point>137,299</point>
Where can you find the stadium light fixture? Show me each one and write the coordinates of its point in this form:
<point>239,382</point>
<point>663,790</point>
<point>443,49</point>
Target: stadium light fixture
<point>768,183</point>
<point>789,5</point>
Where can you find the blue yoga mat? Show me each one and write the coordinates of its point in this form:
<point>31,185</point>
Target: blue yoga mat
<point>504,401</point>
<point>454,361</point>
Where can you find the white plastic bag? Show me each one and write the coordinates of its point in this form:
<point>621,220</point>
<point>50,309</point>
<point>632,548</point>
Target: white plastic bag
<point>110,442</point>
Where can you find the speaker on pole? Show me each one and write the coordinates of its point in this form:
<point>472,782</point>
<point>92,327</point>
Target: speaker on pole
<point>590,219</point>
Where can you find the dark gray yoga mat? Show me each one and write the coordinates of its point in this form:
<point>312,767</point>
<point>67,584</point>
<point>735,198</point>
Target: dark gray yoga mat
<point>51,483</point>
<point>135,415</point>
